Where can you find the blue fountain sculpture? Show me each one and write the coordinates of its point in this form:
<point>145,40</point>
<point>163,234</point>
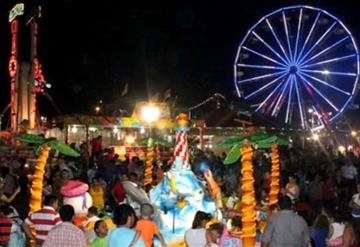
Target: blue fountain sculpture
<point>177,198</point>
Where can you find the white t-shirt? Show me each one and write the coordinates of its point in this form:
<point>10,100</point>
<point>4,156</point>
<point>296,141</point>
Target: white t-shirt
<point>231,202</point>
<point>195,237</point>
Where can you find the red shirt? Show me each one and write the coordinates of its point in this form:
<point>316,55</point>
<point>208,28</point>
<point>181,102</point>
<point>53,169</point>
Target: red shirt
<point>5,230</point>
<point>119,191</point>
<point>328,191</point>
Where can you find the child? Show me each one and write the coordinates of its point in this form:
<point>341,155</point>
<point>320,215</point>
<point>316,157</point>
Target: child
<point>17,235</point>
<point>147,228</point>
<point>101,231</point>
<point>88,225</point>
<point>214,233</point>
<point>236,227</point>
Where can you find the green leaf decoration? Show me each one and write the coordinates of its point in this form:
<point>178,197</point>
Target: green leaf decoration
<point>28,138</point>
<point>266,142</point>
<point>233,155</point>
<point>261,140</point>
<point>63,148</point>
<point>283,141</point>
<point>229,142</point>
<point>258,137</point>
<point>37,151</point>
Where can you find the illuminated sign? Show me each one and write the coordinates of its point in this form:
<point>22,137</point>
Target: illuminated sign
<point>16,11</point>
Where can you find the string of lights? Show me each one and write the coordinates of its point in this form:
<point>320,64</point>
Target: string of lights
<point>215,96</point>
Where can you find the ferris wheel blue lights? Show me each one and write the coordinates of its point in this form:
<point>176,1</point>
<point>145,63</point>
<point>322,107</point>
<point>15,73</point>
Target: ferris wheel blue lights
<point>294,59</point>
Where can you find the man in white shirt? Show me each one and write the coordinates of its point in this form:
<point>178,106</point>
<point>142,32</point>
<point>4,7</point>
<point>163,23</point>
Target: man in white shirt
<point>349,173</point>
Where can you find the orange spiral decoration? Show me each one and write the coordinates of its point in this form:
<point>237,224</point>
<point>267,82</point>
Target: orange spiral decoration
<point>149,166</point>
<point>214,188</point>
<point>37,182</point>
<point>248,201</point>
<point>275,175</point>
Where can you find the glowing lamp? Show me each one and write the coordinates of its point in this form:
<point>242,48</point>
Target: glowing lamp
<point>315,137</point>
<point>353,133</point>
<point>92,129</point>
<point>325,72</point>
<point>150,113</point>
<point>130,139</point>
<point>341,149</point>
<point>74,129</point>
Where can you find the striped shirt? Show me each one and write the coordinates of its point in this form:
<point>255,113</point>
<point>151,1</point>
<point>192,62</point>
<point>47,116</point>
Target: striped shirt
<point>5,230</point>
<point>65,234</point>
<point>43,221</point>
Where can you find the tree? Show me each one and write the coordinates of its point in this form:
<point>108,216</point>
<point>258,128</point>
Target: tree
<point>241,147</point>
<point>43,150</point>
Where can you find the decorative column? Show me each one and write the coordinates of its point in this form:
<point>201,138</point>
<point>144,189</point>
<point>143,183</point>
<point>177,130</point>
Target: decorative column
<point>181,143</point>
<point>248,201</point>
<point>37,182</point>
<point>13,70</point>
<point>149,163</point>
<point>275,175</point>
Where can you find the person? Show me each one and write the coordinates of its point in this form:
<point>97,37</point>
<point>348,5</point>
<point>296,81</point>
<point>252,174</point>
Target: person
<point>96,148</point>
<point>355,203</point>
<point>329,193</point>
<point>147,228</point>
<point>320,231</point>
<point>232,201</point>
<point>64,166</point>
<point>101,231</point>
<point>316,194</point>
<point>236,229</point>
<point>349,172</point>
<point>117,191</point>
<point>5,225</point>
<point>61,180</point>
<point>16,236</point>
<point>88,225</point>
<point>97,193</point>
<point>336,230</point>
<point>124,217</point>
<point>65,234</point>
<point>214,233</point>
<point>10,181</point>
<point>340,188</point>
<point>341,233</point>
<point>43,220</point>
<point>197,236</point>
<point>286,228</point>
<point>292,189</point>
<point>350,236</point>
<point>4,198</point>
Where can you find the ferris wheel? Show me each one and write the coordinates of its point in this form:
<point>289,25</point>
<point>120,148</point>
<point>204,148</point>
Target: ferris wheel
<point>299,65</point>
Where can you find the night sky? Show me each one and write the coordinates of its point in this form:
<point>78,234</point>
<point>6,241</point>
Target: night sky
<point>90,49</point>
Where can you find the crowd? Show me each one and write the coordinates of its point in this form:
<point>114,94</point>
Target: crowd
<point>319,204</point>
